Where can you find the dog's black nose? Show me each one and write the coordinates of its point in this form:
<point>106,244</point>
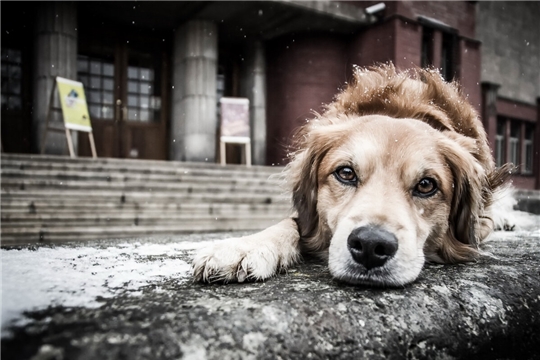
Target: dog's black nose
<point>371,245</point>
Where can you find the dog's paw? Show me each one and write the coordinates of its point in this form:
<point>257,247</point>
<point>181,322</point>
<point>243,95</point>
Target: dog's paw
<point>507,225</point>
<point>235,260</point>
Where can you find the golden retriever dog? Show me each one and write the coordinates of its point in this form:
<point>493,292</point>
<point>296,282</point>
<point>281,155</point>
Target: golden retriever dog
<point>397,170</point>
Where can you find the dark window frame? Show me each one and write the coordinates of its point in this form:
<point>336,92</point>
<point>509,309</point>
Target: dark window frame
<point>11,59</point>
<point>100,98</point>
<point>514,143</point>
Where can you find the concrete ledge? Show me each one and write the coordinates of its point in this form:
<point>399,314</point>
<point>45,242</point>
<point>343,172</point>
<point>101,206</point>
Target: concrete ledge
<point>133,299</point>
<point>528,200</point>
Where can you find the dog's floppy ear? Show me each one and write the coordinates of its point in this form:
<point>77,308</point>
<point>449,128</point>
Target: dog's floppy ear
<point>470,182</point>
<point>302,178</point>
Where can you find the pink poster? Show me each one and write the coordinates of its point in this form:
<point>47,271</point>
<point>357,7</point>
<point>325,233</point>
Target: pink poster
<point>234,117</point>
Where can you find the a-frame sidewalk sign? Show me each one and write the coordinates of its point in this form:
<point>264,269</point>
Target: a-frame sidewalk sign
<point>74,111</point>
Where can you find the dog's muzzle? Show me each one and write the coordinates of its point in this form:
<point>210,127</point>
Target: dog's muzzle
<point>372,246</point>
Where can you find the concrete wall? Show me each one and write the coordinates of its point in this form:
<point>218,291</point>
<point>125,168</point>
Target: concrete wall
<point>510,35</point>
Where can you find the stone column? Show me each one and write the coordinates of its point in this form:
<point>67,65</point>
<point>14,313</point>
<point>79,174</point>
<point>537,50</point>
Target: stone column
<point>253,86</point>
<point>194,122</point>
<point>489,111</point>
<point>536,146</point>
<point>55,54</point>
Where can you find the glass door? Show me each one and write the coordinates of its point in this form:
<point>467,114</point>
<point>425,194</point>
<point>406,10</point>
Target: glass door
<point>124,94</point>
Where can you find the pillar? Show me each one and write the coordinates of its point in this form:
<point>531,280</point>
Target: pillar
<point>194,121</point>
<point>489,111</point>
<point>55,54</point>
<point>253,86</point>
<point>536,146</point>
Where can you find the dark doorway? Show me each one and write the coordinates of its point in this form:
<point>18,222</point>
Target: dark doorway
<point>125,79</point>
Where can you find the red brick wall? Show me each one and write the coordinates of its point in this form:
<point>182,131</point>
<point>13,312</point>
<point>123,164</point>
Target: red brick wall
<point>303,73</point>
<point>373,45</point>
<point>399,39</point>
<point>469,71</point>
<point>408,43</point>
<point>306,71</point>
<point>396,40</point>
<point>460,15</point>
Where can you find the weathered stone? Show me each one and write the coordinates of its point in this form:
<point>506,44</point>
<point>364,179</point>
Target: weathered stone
<point>487,309</point>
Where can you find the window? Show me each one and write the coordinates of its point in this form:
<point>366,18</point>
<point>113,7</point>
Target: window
<point>97,77</point>
<point>142,105</point>
<point>500,144</point>
<point>427,47</point>
<point>514,143</point>
<point>528,150</point>
<point>515,146</point>
<point>448,62</point>
<point>440,54</point>
<point>11,79</point>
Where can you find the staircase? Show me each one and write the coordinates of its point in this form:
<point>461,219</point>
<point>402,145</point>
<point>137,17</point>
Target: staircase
<point>54,198</point>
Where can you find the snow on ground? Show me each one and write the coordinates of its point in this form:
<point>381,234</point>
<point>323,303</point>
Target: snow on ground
<point>78,275</point>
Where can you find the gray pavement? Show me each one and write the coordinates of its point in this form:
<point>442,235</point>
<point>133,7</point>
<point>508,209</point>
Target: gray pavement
<point>134,299</point>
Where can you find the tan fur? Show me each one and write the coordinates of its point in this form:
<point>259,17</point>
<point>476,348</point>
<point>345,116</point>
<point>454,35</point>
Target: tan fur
<point>393,129</point>
<point>414,94</point>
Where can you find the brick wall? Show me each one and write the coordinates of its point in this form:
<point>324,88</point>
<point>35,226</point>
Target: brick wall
<point>469,70</point>
<point>303,73</point>
<point>459,15</point>
<point>306,71</point>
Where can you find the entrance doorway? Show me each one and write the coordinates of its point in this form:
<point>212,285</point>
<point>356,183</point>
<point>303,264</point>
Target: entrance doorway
<point>125,86</point>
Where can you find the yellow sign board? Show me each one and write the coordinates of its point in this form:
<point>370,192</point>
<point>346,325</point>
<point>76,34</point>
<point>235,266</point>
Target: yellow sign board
<point>74,108</point>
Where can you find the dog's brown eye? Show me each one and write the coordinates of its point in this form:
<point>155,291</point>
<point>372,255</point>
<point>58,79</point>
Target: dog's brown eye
<point>425,188</point>
<point>346,175</point>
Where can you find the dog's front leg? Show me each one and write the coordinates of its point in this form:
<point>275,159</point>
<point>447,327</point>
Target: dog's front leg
<point>255,257</point>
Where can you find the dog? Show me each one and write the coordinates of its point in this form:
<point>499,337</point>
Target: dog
<point>397,170</point>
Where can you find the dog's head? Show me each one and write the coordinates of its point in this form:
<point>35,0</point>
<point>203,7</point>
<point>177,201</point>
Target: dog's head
<point>383,193</point>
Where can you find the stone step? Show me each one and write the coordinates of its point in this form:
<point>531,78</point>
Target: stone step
<point>18,236</point>
<point>138,197</point>
<point>54,206</point>
<point>125,177</point>
<point>178,187</point>
<point>53,198</point>
<point>38,162</point>
<point>123,219</point>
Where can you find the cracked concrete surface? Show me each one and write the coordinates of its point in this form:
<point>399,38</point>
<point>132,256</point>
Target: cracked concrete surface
<point>134,300</point>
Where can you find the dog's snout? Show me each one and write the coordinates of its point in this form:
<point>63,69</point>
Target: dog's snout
<point>372,246</point>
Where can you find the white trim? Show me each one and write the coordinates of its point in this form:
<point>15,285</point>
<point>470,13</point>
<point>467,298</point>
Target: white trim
<point>78,127</point>
<point>236,139</point>
<point>230,100</point>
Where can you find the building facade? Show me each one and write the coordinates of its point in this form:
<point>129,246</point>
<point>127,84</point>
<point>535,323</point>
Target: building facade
<point>510,76</point>
<point>154,71</point>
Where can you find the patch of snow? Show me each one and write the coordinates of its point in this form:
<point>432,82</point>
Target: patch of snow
<point>78,276</point>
